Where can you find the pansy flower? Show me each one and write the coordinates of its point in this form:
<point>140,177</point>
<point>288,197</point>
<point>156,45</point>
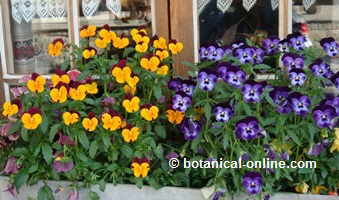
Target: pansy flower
<point>297,77</point>
<point>140,167</point>
<point>141,38</point>
<point>106,34</point>
<point>77,91</point>
<point>163,70</point>
<point>55,48</point>
<point>11,166</point>
<point>136,32</point>
<point>332,101</point>
<point>207,78</point>
<point>188,86</point>
<point>91,86</point>
<point>65,140</point>
<point>324,115</point>
<point>159,43</point>
<point>320,68</point>
<point>59,93</point>
<point>130,90</point>
<point>89,52</point>
<point>300,103</point>
<point>108,101</point>
<point>60,76</point>
<point>252,182</point>
<point>132,81</point>
<point>162,54</point>
<point>121,72</point>
<point>252,91</point>
<point>235,76</point>
<point>90,122</point>
<point>335,79</point>
<point>111,120</point>
<point>36,84</point>
<point>223,112</point>
<point>284,46</point>
<point>175,84</point>
<point>141,47</point>
<point>190,128</point>
<point>175,116</point>
<point>221,69</point>
<point>297,41</point>
<point>181,101</point>
<point>150,63</point>
<point>292,61</point>
<point>130,133</point>
<point>330,46</point>
<point>271,45</point>
<point>88,31</point>
<point>244,54</point>
<point>228,50</point>
<point>175,47</point>
<point>131,103</point>
<point>62,164</point>
<point>203,53</point>
<point>149,112</point>
<point>11,108</point>
<point>279,96</point>
<point>258,55</point>
<point>32,118</point>
<point>215,53</point>
<point>248,128</point>
<point>120,42</point>
<point>318,148</point>
<point>101,43</point>
<point>70,118</point>
<point>270,153</point>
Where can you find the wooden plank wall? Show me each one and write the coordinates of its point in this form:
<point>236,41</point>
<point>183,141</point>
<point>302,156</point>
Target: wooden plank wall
<point>161,15</point>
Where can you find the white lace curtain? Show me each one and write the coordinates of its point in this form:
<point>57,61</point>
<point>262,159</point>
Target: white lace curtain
<point>26,10</point>
<point>223,5</point>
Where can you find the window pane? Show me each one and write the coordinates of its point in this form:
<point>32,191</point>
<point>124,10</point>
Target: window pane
<point>35,24</point>
<point>236,23</point>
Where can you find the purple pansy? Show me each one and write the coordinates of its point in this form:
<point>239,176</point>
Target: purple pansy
<point>181,101</point>
<point>215,53</point>
<point>11,166</point>
<point>171,155</point>
<point>207,79</point>
<point>244,54</point>
<point>335,79</point>
<point>108,101</point>
<point>320,68</point>
<point>323,116</point>
<point>62,165</point>
<point>248,128</point>
<point>271,45</point>
<point>292,61</point>
<point>297,41</point>
<point>258,55</point>
<point>223,112</point>
<point>269,152</point>
<point>297,77</point>
<point>235,76</point>
<point>203,53</point>
<point>300,103</point>
<point>284,156</point>
<point>175,84</point>
<point>317,148</point>
<point>252,182</point>
<point>279,96</point>
<point>283,46</point>
<point>332,101</point>
<point>330,46</point>
<point>228,50</point>
<point>188,86</point>
<point>252,91</point>
<point>190,128</point>
<point>218,194</point>
<point>222,69</point>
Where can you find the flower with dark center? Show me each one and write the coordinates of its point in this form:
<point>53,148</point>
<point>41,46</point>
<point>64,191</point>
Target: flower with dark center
<point>324,115</point>
<point>223,112</point>
<point>228,50</point>
<point>269,152</point>
<point>279,96</point>
<point>271,45</point>
<point>62,164</point>
<point>222,68</point>
<point>248,128</point>
<point>258,55</point>
<point>188,86</point>
<point>330,46</point>
<point>332,101</point>
<point>252,182</point>
<point>108,101</point>
<point>283,46</point>
<point>244,54</point>
<point>181,101</point>
<point>335,79</point>
<point>292,61</point>
<point>190,128</point>
<point>203,53</point>
<point>297,41</point>
<point>235,76</point>
<point>297,77</point>
<point>252,91</point>
<point>300,103</point>
<point>207,79</point>
<point>318,148</point>
<point>215,53</point>
<point>320,68</point>
<point>175,84</point>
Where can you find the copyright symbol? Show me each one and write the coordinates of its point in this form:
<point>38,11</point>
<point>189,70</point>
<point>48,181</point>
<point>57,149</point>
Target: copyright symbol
<point>174,163</point>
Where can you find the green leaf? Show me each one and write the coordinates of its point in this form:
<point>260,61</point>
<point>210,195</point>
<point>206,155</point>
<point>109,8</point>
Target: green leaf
<point>128,51</point>
<point>15,127</point>
<point>21,178</point>
<point>45,193</point>
<point>24,134</point>
<point>127,151</point>
<point>53,131</point>
<point>83,139</point>
<point>160,131</point>
<point>47,153</point>
<point>159,152</point>
<point>44,124</point>
<point>246,108</point>
<point>207,111</point>
<point>157,91</point>
<point>93,149</point>
<point>294,137</point>
<point>90,101</point>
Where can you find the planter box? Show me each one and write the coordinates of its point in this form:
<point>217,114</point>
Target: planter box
<point>131,192</point>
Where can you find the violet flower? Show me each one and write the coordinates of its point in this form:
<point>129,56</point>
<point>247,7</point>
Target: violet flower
<point>248,128</point>
<point>215,53</point>
<point>324,115</point>
<point>284,156</point>
<point>330,46</point>
<point>252,182</point>
<point>191,129</point>
<point>108,101</point>
<point>181,101</point>
<point>207,79</point>
<point>269,152</point>
<point>284,46</point>
<point>203,53</point>
<point>171,155</point>
<point>175,84</point>
<point>335,79</point>
<point>222,69</point>
<point>332,101</point>
<point>244,54</point>
<point>292,61</point>
<point>188,86</point>
<point>318,148</point>
<point>223,112</point>
<point>297,77</point>
<point>258,55</point>
<point>300,103</point>
<point>320,68</point>
<point>271,45</point>
<point>252,91</point>
<point>279,96</point>
<point>228,50</point>
<point>61,164</point>
<point>297,41</point>
<point>235,76</point>
<point>11,166</point>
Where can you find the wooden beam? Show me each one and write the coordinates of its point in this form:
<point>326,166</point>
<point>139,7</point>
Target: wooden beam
<point>182,29</point>
<point>160,18</point>
<point>6,20</point>
<point>285,18</point>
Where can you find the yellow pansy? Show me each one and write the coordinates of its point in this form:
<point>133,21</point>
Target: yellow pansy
<point>36,84</point>
<point>141,47</point>
<point>55,48</point>
<point>89,53</point>
<point>31,119</point>
<point>302,188</point>
<point>150,114</point>
<point>78,93</point>
<point>88,31</point>
<point>174,116</point>
<point>130,135</point>
<point>131,105</point>
<point>70,118</point>
<point>139,31</point>
<point>121,75</point>
<point>130,90</point>
<point>150,64</point>
<point>90,123</point>
<point>176,47</point>
<point>160,43</point>
<point>140,170</point>
<point>162,54</point>
<point>92,88</point>
<point>111,122</point>
<point>56,79</point>
<point>133,81</point>
<point>9,109</point>
<point>101,43</point>
<point>163,70</point>
<point>335,145</point>
<point>59,95</point>
<point>120,43</point>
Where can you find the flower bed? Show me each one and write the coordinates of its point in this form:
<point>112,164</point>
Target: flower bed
<point>123,116</point>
